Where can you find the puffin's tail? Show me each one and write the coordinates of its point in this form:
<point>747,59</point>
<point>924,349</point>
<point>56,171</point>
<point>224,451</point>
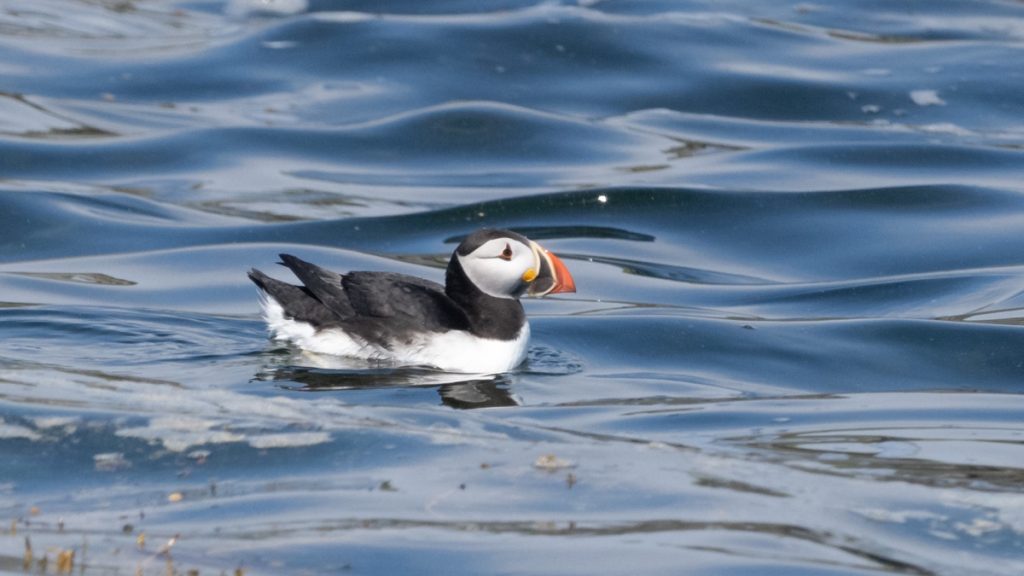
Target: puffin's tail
<point>283,301</point>
<point>262,280</point>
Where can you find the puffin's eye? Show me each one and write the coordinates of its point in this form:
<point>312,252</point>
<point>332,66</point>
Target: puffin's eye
<point>506,254</point>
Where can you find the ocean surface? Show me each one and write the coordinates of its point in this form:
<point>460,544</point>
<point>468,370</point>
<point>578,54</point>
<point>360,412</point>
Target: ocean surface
<point>796,229</point>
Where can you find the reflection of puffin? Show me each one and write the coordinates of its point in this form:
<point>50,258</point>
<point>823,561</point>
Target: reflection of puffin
<point>474,323</point>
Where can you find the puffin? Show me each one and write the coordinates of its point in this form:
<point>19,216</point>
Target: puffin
<point>475,323</point>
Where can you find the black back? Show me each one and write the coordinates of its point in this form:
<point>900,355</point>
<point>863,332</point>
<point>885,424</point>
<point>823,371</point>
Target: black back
<point>387,308</point>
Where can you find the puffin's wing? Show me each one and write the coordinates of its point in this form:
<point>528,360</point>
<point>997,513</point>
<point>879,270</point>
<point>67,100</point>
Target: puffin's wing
<point>403,302</point>
<point>322,284</point>
<point>403,299</point>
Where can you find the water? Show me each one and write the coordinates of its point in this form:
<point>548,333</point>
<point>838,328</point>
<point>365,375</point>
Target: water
<point>796,347</point>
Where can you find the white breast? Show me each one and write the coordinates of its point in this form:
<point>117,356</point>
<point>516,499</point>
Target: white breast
<point>452,351</point>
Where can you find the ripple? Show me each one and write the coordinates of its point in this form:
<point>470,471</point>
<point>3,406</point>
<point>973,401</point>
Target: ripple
<point>80,277</point>
<point>542,360</point>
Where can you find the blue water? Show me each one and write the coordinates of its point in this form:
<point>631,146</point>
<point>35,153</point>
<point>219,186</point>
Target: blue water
<point>797,345</point>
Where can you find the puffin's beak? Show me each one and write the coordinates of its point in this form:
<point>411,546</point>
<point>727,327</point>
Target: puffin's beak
<point>552,275</point>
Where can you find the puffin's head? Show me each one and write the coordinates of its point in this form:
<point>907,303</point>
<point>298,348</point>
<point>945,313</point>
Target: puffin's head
<point>504,264</point>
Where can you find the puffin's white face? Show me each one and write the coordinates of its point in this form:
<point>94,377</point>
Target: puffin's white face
<point>502,267</point>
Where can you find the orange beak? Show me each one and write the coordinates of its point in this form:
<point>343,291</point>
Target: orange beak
<point>552,277</point>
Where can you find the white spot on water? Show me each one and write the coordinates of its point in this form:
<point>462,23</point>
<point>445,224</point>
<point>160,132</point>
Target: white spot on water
<point>602,199</point>
<point>8,431</point>
<point>926,98</point>
<point>280,44</point>
<point>978,527</point>
<point>946,128</point>
<point>289,440</point>
<point>270,7</point>
<point>1005,509</point>
<point>110,461</point>
<point>44,422</point>
<point>900,516</point>
<point>179,433</point>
